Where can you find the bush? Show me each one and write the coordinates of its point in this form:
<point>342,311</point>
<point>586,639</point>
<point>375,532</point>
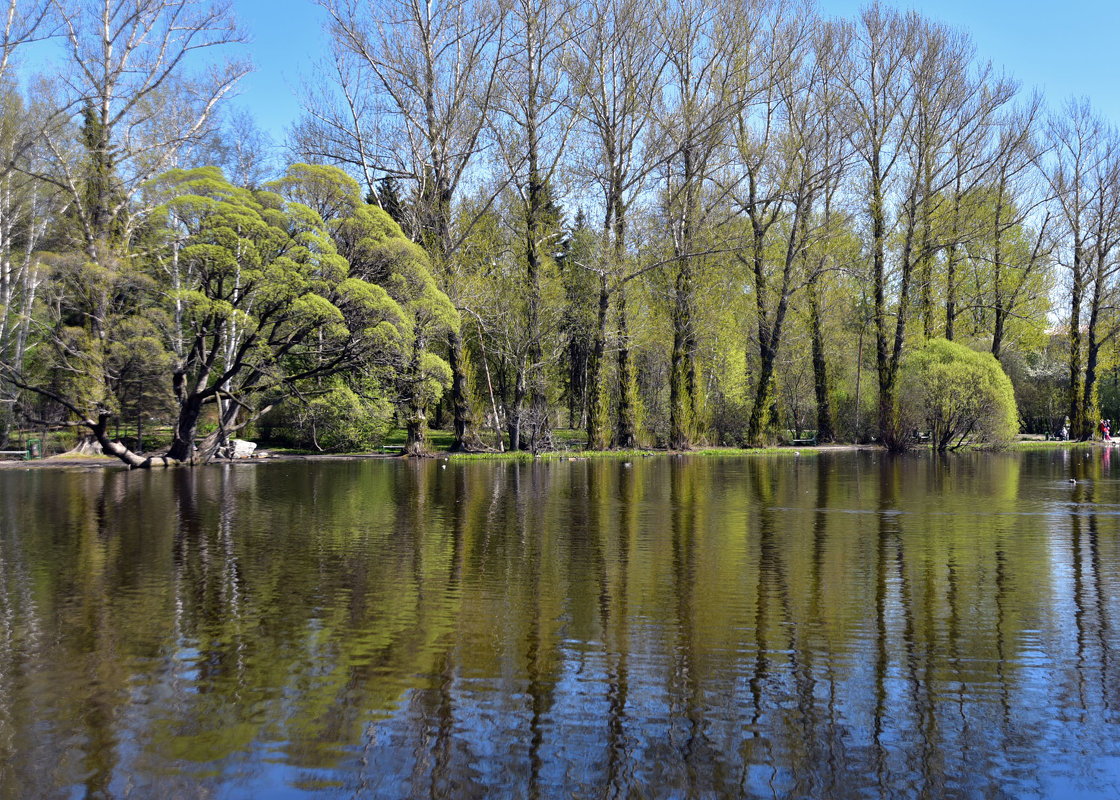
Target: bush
<point>338,421</point>
<point>960,396</point>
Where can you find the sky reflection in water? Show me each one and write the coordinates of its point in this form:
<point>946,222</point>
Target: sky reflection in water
<point>834,626</point>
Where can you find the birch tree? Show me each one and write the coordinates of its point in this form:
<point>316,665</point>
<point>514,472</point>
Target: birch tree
<point>25,205</point>
<point>129,83</point>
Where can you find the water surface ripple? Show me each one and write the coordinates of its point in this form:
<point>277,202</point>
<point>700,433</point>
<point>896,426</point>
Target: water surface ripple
<point>846,625</point>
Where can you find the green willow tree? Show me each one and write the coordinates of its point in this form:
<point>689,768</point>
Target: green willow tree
<point>961,396</point>
<point>377,251</point>
<point>252,297</point>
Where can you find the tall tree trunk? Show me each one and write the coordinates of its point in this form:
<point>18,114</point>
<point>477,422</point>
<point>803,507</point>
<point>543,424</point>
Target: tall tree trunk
<point>416,422</point>
<point>1089,409</point>
<point>535,380</point>
<point>825,431</point>
<point>626,426</point>
<point>460,403</point>
<point>888,355</point>
<point>951,292</point>
<point>879,279</point>
<point>764,390</point>
<point>925,258</point>
<point>626,432</point>
<point>680,396</point>
<point>514,411</point>
<point>596,416</point>
<point>997,274</point>
<point>682,370</point>
<point>951,265</point>
<point>1080,425</point>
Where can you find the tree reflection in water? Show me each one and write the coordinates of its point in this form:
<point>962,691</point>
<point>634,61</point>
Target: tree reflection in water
<point>829,626</point>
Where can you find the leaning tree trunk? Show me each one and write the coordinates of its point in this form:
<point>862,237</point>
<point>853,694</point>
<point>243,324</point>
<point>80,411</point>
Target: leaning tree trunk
<point>110,447</point>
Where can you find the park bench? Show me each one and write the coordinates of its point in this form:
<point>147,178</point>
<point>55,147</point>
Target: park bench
<point>808,440</point>
<point>33,449</point>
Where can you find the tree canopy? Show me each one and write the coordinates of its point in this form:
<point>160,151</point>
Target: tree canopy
<point>672,226</point>
<point>248,299</point>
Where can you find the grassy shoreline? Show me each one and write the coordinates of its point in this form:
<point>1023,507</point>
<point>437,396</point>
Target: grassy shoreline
<point>441,443</point>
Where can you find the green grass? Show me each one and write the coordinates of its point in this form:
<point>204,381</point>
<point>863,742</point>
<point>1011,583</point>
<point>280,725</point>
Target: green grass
<point>552,455</point>
<point>438,441</point>
<point>569,443</point>
<point>565,455</point>
<point>1034,444</point>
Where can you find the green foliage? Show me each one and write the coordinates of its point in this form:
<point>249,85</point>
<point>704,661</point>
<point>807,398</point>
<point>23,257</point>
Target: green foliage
<point>375,253</point>
<point>1041,380</point>
<point>236,299</point>
<point>959,395</point>
<point>339,420</point>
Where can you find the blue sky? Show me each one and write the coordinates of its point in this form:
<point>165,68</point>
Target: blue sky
<point>287,38</point>
<point>1064,49</point>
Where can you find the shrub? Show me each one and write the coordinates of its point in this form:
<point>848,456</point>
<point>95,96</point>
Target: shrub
<point>338,421</point>
<point>959,395</point>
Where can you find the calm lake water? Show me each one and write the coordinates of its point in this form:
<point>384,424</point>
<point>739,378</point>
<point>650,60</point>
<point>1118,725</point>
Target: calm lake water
<point>841,625</point>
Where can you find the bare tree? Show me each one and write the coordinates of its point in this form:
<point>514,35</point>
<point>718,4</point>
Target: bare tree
<point>1083,176</point>
<point>780,148</point>
<point>139,106</point>
<point>693,116</point>
<point>413,86</point>
<point>1016,195</point>
<point>953,145</point>
<point>880,46</point>
<point>834,154</point>
<point>341,119</point>
<point>617,71</point>
<point>536,113</point>
<point>241,148</point>
<point>24,22</point>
